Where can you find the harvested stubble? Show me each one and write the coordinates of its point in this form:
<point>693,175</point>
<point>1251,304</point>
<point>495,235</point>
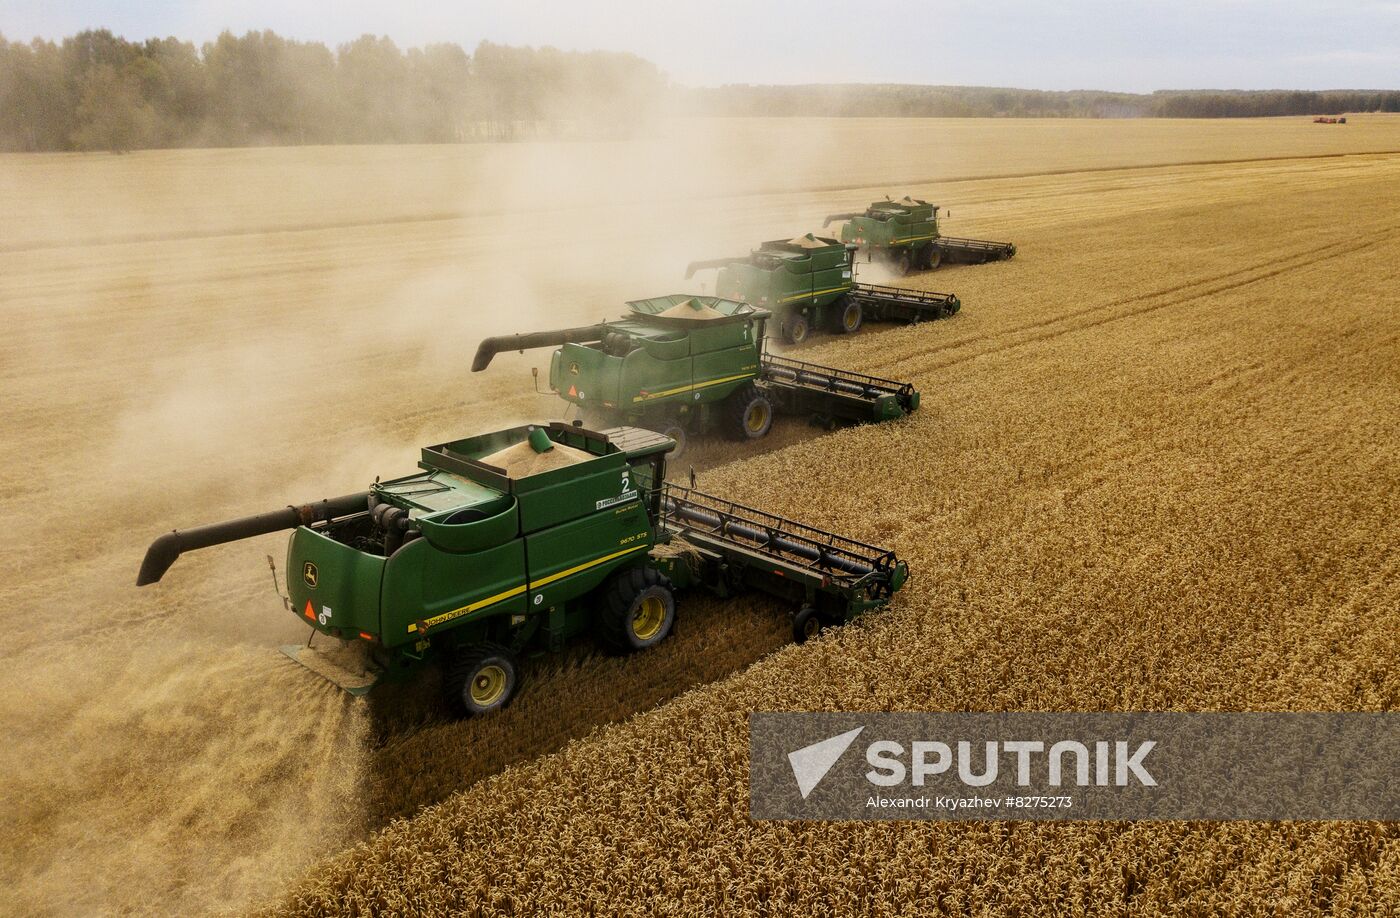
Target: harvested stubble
<point>1172,485</point>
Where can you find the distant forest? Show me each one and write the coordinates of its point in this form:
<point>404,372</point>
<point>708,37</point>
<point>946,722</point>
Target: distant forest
<point>97,91</point>
<point>896,100</point>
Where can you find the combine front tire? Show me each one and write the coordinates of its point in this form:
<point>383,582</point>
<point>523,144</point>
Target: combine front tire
<point>637,611</point>
<point>806,624</point>
<point>751,413</point>
<point>675,431</point>
<point>931,257</point>
<point>481,678</point>
<point>796,328</point>
<point>847,316</point>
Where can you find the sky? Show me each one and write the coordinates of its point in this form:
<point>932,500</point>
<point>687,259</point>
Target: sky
<point>1035,44</point>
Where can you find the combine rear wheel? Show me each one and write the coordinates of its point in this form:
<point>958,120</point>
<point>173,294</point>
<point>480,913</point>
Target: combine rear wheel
<point>638,610</point>
<point>847,316</point>
<point>902,262</point>
<point>806,624</point>
<point>481,678</point>
<point>750,413</point>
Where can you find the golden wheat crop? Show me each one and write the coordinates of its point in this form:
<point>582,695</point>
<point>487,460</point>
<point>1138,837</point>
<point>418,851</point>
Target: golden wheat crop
<point>1155,468</point>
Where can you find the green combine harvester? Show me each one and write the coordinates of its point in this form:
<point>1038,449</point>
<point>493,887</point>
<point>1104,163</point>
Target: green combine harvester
<point>808,283</point>
<point>519,540</point>
<point>682,364</point>
<point>904,234</point>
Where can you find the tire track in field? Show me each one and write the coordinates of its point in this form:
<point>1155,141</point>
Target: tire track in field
<point>449,216</point>
<point>1083,470</point>
<point>1198,289</point>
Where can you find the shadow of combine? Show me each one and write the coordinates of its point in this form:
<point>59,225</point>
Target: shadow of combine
<point>419,755</point>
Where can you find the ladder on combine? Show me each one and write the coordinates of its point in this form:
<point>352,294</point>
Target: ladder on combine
<point>973,251</point>
<point>830,392</point>
<point>898,304</point>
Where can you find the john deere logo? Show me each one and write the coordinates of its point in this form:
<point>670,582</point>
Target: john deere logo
<point>573,368</point>
<point>310,574</point>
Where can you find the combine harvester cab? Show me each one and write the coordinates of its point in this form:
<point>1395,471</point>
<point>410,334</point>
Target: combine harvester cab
<point>905,235</point>
<point>523,539</point>
<point>809,283</point>
<point>684,365</point>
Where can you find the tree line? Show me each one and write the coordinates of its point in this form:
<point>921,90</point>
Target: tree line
<point>1218,104</point>
<point>894,100</point>
<point>98,91</point>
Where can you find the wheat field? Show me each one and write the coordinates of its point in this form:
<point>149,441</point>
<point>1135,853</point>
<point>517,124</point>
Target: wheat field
<point>1156,467</point>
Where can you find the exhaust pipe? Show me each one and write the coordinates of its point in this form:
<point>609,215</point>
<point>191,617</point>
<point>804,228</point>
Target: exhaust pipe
<point>831,218</point>
<point>165,550</point>
<point>492,346</point>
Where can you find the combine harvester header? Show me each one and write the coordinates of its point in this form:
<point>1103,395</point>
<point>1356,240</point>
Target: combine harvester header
<point>523,538</point>
<point>905,234</point>
<point>684,365</point>
<point>809,282</point>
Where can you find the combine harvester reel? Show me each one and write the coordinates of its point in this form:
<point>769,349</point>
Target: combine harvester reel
<point>520,540</point>
<point>808,283</point>
<point>905,235</point>
<point>684,365</point>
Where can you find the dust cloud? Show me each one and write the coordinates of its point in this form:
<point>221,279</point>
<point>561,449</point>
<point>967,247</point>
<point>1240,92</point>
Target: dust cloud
<point>172,777</point>
<point>183,352</point>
